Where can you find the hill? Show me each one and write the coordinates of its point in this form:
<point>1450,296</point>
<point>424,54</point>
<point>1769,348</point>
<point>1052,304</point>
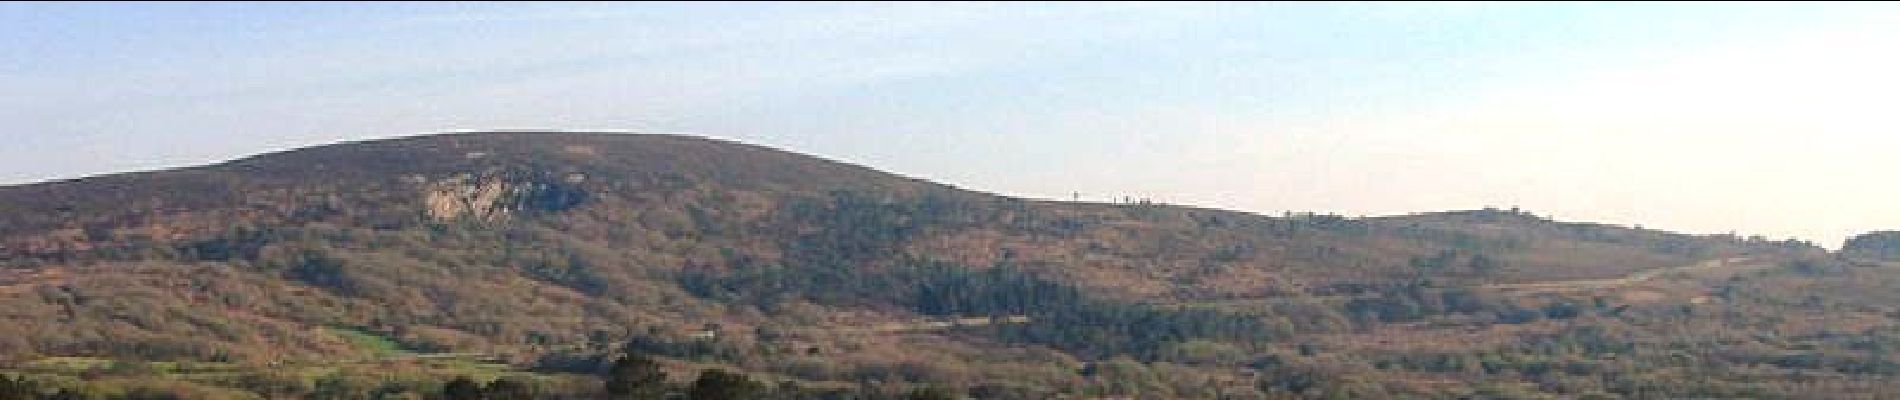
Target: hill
<point>549,254</point>
<point>1884,245</point>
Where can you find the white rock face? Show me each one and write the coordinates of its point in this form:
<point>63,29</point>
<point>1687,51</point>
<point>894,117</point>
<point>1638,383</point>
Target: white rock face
<point>462,197</point>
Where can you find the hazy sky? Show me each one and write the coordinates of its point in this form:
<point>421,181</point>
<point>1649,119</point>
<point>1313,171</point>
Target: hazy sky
<point>1774,119</point>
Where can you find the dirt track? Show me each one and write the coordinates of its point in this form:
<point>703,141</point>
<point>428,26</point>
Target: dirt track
<point>1634,278</point>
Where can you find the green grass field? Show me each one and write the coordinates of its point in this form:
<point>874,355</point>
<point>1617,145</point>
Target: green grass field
<point>381,346</point>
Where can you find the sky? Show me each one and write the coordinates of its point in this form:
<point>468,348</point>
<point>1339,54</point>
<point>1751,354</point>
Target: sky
<point>1754,118</point>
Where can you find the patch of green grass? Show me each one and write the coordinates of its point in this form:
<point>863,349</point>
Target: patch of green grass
<point>68,365</point>
<point>381,346</point>
<point>222,380</point>
<point>470,368</point>
<point>77,365</point>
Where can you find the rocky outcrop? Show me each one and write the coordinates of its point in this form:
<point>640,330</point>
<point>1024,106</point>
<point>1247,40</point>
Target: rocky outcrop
<point>496,198</point>
<point>459,198</point>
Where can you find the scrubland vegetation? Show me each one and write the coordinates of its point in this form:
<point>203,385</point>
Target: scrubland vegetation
<point>630,266</point>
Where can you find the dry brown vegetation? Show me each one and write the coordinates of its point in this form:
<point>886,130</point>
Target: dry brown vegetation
<point>552,252</point>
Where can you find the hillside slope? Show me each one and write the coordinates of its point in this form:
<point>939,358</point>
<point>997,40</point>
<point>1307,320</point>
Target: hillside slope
<point>550,246</point>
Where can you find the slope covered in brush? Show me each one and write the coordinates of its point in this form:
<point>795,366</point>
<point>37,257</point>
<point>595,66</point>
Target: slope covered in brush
<point>541,247</point>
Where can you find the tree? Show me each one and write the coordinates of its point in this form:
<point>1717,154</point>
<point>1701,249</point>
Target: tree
<point>461,388</point>
<point>67,394</point>
<point>508,389</point>
<point>636,377</point>
<point>716,384</point>
<point>17,388</point>
<point>339,387</point>
<point>1562,311</point>
<point>1127,377</point>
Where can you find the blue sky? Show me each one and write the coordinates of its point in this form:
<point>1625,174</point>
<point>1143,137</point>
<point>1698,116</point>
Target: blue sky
<point>1751,117</point>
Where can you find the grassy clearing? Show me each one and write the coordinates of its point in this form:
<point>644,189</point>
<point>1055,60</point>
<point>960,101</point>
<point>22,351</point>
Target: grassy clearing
<point>381,346</point>
<point>57,365</point>
<point>380,359</point>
